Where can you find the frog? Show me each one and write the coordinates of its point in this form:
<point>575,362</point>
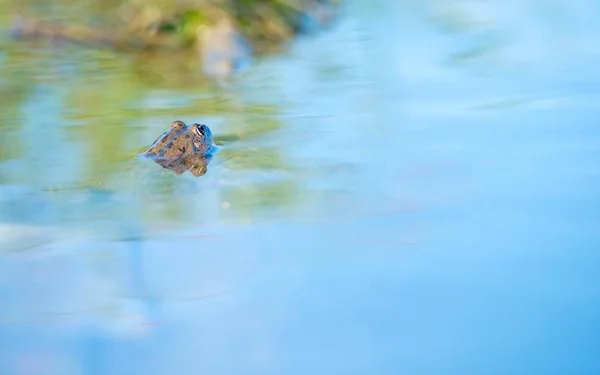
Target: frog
<point>183,148</point>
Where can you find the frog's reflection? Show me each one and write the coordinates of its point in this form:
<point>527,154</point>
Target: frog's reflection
<point>197,164</point>
<point>183,148</point>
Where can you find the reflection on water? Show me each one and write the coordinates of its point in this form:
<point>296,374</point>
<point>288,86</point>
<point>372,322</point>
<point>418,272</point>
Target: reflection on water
<point>414,191</point>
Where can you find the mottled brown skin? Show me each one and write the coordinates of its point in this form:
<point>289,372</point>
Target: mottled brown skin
<point>183,148</point>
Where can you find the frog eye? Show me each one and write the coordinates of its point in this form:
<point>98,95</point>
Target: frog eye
<point>201,129</point>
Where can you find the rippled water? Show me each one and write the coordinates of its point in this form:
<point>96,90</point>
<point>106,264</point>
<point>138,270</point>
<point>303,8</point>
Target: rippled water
<point>414,191</point>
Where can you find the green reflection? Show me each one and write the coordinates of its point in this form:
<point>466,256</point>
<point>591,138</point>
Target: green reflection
<point>15,88</point>
<point>107,115</point>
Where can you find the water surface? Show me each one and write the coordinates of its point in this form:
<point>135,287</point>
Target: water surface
<point>414,191</point>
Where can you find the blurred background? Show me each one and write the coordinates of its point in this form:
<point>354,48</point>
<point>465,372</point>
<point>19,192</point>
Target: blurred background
<point>404,187</point>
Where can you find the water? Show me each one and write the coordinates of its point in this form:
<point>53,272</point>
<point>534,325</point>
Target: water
<point>413,191</point>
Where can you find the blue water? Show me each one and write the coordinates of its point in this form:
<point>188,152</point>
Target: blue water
<point>414,191</point>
